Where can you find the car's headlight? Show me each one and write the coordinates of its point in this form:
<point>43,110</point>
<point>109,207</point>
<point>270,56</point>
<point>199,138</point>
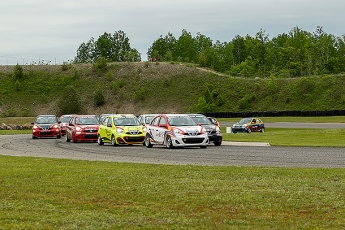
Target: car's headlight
<point>178,131</point>
<point>217,129</point>
<point>78,129</point>
<point>55,126</point>
<point>144,129</point>
<point>35,127</point>
<point>119,130</point>
<point>203,130</point>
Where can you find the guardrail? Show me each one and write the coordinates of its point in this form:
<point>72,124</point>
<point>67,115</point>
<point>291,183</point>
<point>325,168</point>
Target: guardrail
<point>277,114</point>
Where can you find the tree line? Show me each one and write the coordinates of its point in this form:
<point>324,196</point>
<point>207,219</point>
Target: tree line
<point>294,54</point>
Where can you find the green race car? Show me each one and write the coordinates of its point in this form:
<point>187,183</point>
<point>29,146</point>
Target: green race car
<point>121,129</point>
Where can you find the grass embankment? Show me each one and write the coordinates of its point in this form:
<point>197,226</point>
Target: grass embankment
<point>145,87</point>
<point>39,193</point>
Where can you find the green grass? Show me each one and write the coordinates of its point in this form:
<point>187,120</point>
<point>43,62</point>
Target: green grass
<point>40,193</point>
<point>292,137</point>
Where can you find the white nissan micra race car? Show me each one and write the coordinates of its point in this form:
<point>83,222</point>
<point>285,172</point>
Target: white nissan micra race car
<point>175,130</point>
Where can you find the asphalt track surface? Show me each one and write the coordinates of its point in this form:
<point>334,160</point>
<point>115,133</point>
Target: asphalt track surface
<point>228,154</point>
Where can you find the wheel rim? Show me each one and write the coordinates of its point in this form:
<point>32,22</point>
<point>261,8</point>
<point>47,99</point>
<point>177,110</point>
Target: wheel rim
<point>113,142</point>
<point>147,141</point>
<point>169,142</point>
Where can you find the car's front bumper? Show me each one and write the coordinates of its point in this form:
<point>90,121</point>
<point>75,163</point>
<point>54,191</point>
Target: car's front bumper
<point>46,133</point>
<point>190,141</point>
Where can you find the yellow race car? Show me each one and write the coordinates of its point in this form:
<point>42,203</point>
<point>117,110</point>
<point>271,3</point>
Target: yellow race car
<point>121,129</point>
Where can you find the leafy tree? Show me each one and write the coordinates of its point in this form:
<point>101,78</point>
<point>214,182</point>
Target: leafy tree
<point>114,47</point>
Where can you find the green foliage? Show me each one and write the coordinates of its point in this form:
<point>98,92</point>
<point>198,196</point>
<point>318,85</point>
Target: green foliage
<point>113,48</point>
<point>18,72</point>
<point>139,94</point>
<point>69,103</point>
<point>101,64</point>
<point>17,85</point>
<point>98,97</point>
<point>66,66</point>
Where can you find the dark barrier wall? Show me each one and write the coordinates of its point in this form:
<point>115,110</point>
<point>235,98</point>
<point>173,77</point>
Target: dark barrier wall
<point>277,114</point>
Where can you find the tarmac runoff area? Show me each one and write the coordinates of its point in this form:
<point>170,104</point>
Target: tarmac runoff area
<point>245,143</point>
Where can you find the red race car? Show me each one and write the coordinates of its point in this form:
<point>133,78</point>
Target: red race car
<point>63,123</point>
<point>46,126</point>
<point>82,128</point>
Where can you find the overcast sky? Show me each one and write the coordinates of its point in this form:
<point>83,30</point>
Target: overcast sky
<point>46,30</point>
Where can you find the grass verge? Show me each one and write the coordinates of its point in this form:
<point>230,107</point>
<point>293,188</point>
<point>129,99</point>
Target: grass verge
<point>39,193</point>
<point>292,137</point>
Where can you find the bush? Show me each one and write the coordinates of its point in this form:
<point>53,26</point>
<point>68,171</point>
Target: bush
<point>18,72</point>
<point>98,97</point>
<point>69,103</point>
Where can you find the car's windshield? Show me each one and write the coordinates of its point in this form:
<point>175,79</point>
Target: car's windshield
<point>202,120</point>
<point>148,119</point>
<point>181,121</point>
<point>86,121</point>
<point>245,121</point>
<point>46,120</point>
<point>126,121</point>
<point>65,119</point>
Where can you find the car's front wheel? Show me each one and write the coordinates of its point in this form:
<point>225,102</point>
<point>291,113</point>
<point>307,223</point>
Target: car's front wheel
<point>249,130</point>
<point>262,130</point>
<point>67,139</point>
<point>217,143</point>
<point>99,140</point>
<point>148,143</point>
<point>168,142</point>
<point>113,141</point>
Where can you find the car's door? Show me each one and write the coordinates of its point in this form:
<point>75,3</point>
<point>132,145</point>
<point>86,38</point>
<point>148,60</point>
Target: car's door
<point>153,129</point>
<point>161,130</point>
<point>108,127</point>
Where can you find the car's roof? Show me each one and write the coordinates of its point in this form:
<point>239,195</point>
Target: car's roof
<point>46,115</point>
<point>85,115</point>
<point>123,115</point>
<point>148,114</point>
<point>196,115</point>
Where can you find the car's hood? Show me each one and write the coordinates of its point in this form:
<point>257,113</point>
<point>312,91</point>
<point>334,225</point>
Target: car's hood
<point>208,127</point>
<point>189,129</point>
<point>138,128</point>
<point>88,126</point>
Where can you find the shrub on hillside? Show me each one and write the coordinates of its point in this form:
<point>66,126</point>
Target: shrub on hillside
<point>98,97</point>
<point>69,103</point>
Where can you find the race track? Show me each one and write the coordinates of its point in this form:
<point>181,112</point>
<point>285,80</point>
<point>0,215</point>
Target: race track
<point>228,154</point>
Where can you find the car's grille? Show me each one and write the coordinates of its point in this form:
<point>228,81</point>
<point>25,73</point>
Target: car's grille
<point>192,133</point>
<point>133,132</point>
<point>90,130</point>
<point>135,139</point>
<point>46,133</point>
<point>193,140</point>
<point>90,136</point>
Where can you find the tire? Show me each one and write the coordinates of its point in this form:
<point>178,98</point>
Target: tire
<point>73,139</point>
<point>113,141</point>
<point>34,137</point>
<point>67,139</point>
<point>249,130</point>
<point>147,142</point>
<point>262,130</point>
<point>218,143</point>
<point>99,140</point>
<point>58,136</point>
<point>168,142</point>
